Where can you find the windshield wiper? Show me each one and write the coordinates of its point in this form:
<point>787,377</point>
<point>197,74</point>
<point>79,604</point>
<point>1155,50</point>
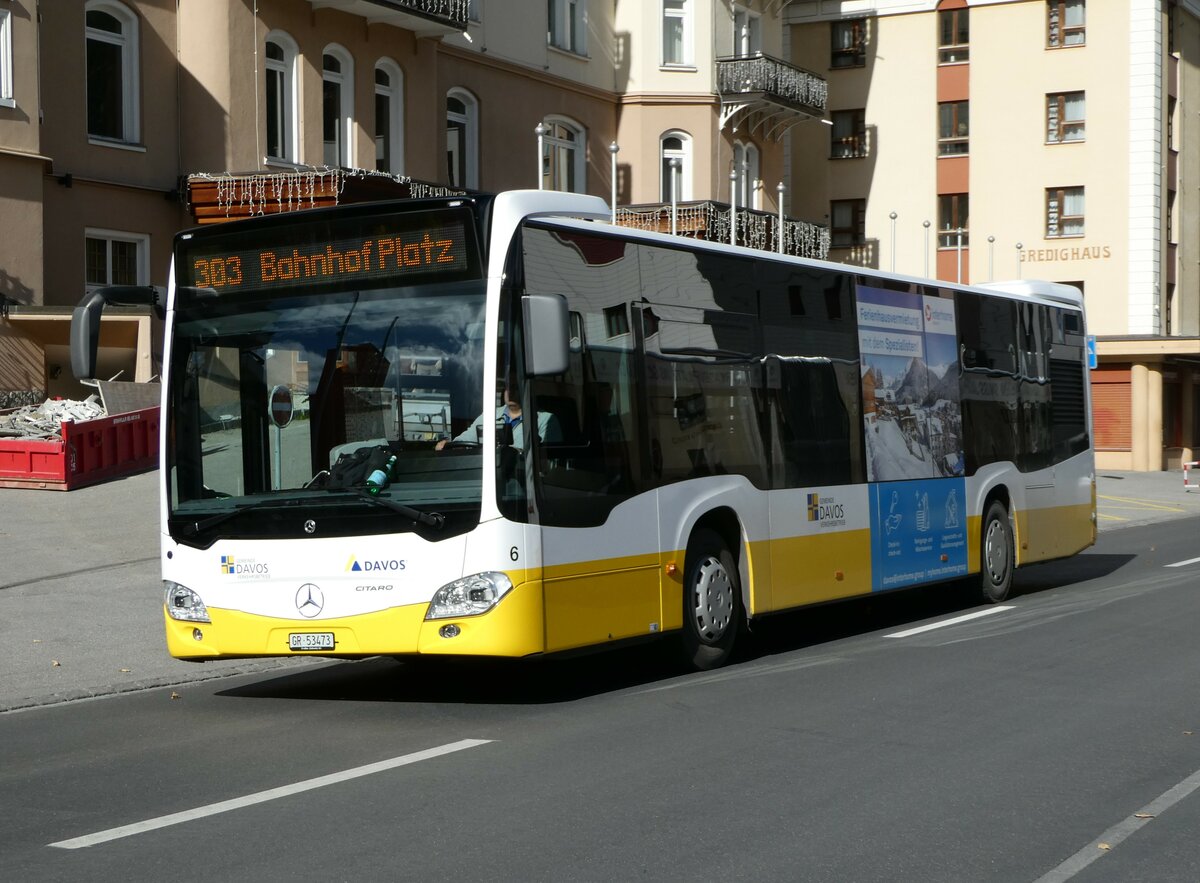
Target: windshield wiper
<point>433,519</point>
<point>199,527</point>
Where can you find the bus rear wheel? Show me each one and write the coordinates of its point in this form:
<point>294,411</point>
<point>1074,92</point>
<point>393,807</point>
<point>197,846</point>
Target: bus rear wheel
<point>996,554</point>
<point>712,602</point>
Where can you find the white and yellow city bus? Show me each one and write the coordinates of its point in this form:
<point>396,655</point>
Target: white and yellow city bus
<point>715,433</point>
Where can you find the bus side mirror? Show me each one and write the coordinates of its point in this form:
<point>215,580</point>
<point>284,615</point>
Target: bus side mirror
<point>547,334</point>
<point>85,322</point>
<point>85,334</point>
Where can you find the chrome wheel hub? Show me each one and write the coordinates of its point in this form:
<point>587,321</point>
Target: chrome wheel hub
<point>712,596</point>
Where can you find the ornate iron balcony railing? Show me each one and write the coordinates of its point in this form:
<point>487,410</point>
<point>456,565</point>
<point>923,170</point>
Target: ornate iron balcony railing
<point>438,16</point>
<point>774,80</point>
<point>710,221</point>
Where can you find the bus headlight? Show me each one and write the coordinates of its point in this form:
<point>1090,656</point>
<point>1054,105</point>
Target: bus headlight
<point>182,603</point>
<point>469,596</point>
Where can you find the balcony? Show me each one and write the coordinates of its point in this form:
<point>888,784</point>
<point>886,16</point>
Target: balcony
<point>425,18</point>
<point>768,95</point>
<point>710,221</point>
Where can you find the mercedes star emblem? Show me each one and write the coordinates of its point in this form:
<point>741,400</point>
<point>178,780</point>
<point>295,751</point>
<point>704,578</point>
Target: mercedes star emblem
<point>310,526</point>
<point>309,600</point>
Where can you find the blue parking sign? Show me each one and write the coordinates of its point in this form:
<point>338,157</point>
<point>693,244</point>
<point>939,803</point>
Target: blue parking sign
<point>1091,350</point>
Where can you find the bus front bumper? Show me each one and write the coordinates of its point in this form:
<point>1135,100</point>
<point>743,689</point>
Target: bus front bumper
<point>513,628</point>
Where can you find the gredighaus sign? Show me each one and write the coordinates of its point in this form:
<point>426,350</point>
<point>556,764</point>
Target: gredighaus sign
<point>1066,253</point>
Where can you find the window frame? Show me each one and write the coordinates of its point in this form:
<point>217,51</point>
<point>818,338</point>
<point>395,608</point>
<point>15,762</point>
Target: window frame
<point>950,222</point>
<point>857,142</point>
<point>469,123</point>
<point>856,231</point>
<point>956,52</point>
<point>684,155</point>
<point>1058,101</point>
<point>393,96</point>
<point>128,42</point>
<point>747,32</point>
<point>747,161</point>
<point>7,96</point>
<point>857,52</point>
<point>686,17</point>
<point>577,149</point>
<point>343,80</point>
<point>949,144</point>
<point>1056,16</point>
<point>566,25</point>
<point>287,112</point>
<point>1055,224</point>
<point>140,240</point>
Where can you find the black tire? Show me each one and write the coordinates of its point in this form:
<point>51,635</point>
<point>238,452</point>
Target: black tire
<point>996,554</point>
<point>712,602</point>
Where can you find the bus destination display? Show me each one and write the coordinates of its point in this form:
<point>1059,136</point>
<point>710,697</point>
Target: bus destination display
<point>355,260</point>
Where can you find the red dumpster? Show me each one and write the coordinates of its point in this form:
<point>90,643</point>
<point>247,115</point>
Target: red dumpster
<point>90,451</point>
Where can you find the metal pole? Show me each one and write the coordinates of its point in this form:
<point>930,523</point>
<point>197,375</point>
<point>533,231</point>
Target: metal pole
<point>1019,247</point>
<point>893,217</point>
<point>733,206</point>
<point>674,163</point>
<point>614,150</point>
<point>926,225</point>
<point>958,233</point>
<point>540,130</point>
<point>779,188</point>
<point>991,255</point>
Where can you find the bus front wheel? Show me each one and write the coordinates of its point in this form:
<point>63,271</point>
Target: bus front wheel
<point>996,554</point>
<point>712,602</point>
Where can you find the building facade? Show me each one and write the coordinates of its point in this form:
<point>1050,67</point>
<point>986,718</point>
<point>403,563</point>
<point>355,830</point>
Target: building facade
<point>973,140</point>
<point>108,107</point>
<point>981,140</point>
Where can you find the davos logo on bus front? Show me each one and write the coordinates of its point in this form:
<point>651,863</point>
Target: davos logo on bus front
<point>374,565</point>
<point>244,567</point>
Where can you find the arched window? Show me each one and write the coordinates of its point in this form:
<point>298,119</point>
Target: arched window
<point>337,106</point>
<point>462,139</point>
<point>676,146</point>
<point>389,117</point>
<point>111,32</point>
<point>280,62</point>
<point>746,163</point>
<point>565,144</point>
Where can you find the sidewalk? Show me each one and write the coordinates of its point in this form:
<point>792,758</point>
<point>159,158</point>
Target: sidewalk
<point>1124,499</point>
<point>81,596</point>
<point>81,590</point>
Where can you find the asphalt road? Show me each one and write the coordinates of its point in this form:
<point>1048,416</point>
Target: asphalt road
<point>1051,738</point>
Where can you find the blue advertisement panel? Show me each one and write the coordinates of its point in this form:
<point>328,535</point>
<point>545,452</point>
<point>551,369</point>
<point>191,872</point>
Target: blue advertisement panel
<point>918,532</point>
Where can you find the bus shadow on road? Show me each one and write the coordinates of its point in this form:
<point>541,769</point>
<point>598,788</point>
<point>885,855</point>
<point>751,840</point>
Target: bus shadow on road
<point>552,680</point>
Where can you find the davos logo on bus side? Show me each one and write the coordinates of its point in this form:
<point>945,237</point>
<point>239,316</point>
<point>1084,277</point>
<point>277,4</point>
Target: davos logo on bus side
<point>826,511</point>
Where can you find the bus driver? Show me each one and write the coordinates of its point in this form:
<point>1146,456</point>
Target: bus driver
<point>510,413</point>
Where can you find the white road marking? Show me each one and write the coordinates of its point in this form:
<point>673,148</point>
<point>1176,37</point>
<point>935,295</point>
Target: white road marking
<point>1107,841</point>
<point>1183,563</point>
<point>263,796</point>
<point>955,621</point>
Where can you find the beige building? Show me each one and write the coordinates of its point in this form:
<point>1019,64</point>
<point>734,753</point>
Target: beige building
<point>996,139</point>
<point>109,107</point>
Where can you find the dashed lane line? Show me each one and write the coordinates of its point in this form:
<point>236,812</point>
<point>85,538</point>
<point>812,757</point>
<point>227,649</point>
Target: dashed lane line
<point>966,617</point>
<point>213,809</point>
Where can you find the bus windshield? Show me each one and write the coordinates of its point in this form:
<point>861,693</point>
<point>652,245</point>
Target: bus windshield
<point>287,392</point>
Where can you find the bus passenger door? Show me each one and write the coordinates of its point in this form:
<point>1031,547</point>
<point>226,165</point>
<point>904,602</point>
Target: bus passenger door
<point>600,539</point>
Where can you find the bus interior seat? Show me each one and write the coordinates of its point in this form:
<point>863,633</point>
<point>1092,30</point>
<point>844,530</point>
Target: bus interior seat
<point>566,413</point>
